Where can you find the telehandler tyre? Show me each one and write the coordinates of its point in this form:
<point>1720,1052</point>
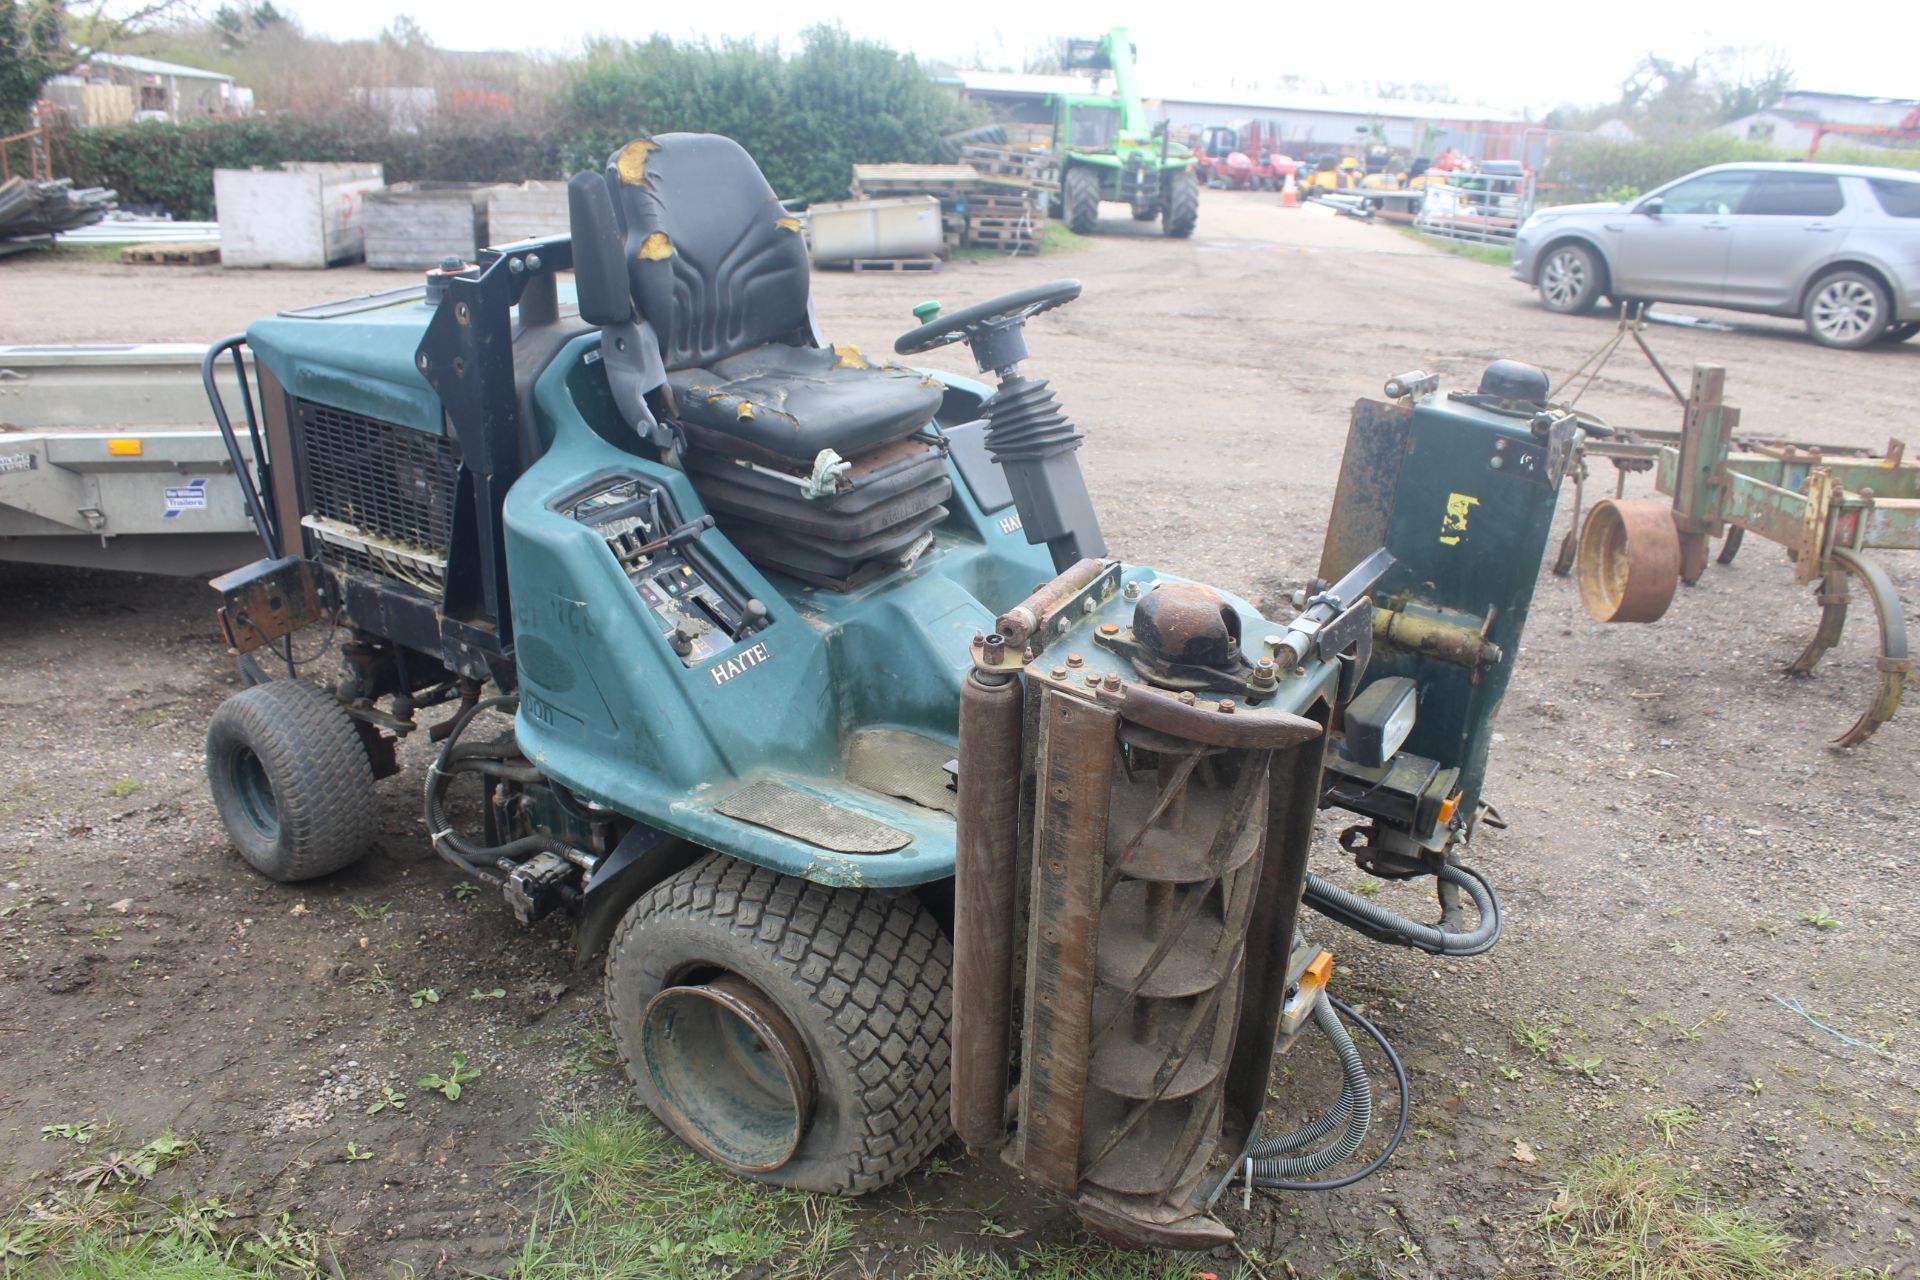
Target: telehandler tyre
<point>792,1032</point>
<point>1182,210</point>
<point>1081,195</point>
<point>291,780</point>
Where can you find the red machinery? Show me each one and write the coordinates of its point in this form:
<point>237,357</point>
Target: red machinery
<point>1908,129</point>
<point>1242,156</point>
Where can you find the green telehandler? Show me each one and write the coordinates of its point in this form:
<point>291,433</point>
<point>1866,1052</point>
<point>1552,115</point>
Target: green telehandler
<point>1108,150</point>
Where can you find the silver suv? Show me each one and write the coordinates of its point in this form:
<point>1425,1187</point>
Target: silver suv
<point>1836,244</point>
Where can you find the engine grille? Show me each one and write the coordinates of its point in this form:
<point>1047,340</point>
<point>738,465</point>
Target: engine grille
<point>390,484</point>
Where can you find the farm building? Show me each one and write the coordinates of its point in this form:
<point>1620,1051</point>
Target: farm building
<point>1306,123</point>
<point>116,88</point>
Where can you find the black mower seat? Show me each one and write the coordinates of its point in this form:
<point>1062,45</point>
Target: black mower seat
<point>796,401</point>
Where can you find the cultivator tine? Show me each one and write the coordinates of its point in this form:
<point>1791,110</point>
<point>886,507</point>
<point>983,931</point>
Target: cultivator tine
<point>1833,600</point>
<point>1893,660</point>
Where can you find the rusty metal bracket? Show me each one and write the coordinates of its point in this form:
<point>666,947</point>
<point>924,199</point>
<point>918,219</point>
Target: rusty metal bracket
<point>267,600</point>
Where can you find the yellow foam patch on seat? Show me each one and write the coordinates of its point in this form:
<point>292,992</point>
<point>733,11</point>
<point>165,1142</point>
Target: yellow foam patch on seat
<point>631,163</point>
<point>655,248</point>
<point>787,224</point>
<point>850,358</point>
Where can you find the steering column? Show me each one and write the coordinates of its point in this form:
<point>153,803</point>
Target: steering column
<point>1028,433</point>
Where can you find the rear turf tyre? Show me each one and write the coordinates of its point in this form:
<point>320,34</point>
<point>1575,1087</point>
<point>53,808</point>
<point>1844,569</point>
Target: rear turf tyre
<point>1081,194</point>
<point>291,780</point>
<point>792,1032</point>
<point>1569,280</point>
<point>1901,332</point>
<point>1848,309</point>
<point>1182,210</point>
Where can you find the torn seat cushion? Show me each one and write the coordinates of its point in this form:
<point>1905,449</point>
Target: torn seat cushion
<point>796,401</point>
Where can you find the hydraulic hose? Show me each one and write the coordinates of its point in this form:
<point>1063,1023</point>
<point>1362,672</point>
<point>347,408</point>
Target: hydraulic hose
<point>1269,1174</point>
<point>1352,1114</point>
<point>465,854</point>
<point>1440,939</point>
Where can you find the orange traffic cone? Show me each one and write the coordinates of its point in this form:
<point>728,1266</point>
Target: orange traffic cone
<point>1289,195</point>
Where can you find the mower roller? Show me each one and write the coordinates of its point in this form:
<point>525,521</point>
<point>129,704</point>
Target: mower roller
<point>805,681</point>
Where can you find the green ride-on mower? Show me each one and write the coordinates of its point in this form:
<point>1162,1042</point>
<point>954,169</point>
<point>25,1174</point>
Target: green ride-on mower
<point>1108,151</point>
<point>805,682</point>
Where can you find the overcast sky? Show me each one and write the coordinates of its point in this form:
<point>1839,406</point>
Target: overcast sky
<point>1517,56</point>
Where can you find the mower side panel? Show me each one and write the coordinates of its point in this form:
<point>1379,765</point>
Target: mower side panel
<point>1464,499</point>
<point>609,710</point>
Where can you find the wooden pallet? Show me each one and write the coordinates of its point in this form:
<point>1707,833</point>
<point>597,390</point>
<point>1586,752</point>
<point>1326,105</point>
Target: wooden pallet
<point>1012,167</point>
<point>1010,233</point>
<point>858,265</point>
<point>172,255</point>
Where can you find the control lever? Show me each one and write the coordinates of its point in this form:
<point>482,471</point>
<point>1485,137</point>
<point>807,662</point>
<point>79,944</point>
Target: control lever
<point>753,614</point>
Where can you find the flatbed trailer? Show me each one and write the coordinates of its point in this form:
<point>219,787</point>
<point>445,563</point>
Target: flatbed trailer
<point>109,459</point>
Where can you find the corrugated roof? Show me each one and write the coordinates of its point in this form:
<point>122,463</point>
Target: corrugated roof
<point>1201,95</point>
<point>1343,105</point>
<point>155,67</point>
<point>1022,82</point>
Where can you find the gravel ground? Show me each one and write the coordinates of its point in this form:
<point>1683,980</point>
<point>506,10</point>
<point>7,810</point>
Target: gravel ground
<point>1684,845</point>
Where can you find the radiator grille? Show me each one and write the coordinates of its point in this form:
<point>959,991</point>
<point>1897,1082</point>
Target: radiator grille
<point>390,483</point>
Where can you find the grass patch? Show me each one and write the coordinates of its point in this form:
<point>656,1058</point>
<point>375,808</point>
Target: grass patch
<point>103,1224</point>
<point>1494,255</point>
<point>1055,239</point>
<point>620,1197</point>
<point>1638,1218</point>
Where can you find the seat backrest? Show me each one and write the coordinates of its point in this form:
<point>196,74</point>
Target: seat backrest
<point>716,265</point>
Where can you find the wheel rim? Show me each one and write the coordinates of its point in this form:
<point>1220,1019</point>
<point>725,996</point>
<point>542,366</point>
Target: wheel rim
<point>1564,278</point>
<point>254,792</point>
<point>730,1070</point>
<point>1845,309</point>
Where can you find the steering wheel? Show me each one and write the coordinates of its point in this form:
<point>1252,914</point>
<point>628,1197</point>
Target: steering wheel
<point>986,320</point>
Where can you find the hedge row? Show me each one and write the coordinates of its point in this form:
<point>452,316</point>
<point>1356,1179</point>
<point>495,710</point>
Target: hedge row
<point>1579,169</point>
<point>807,118</point>
<point>172,166</point>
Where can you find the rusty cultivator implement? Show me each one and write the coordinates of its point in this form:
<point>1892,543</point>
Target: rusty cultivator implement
<point>1827,505</point>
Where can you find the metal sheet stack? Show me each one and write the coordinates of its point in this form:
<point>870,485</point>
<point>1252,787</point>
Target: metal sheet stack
<point>33,212</point>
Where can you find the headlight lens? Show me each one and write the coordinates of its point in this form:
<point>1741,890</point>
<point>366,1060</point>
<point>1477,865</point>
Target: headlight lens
<point>1380,719</point>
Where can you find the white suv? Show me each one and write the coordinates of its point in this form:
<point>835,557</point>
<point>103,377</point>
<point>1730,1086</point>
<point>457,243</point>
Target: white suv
<point>1836,244</point>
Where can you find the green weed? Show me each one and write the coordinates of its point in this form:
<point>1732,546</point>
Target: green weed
<point>1636,1216</point>
<point>450,1085</point>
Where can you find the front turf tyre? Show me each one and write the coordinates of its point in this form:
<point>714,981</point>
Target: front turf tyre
<point>789,1031</point>
<point>1181,205</point>
<point>1848,309</point>
<point>1569,280</point>
<point>291,780</point>
<point>1080,192</point>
